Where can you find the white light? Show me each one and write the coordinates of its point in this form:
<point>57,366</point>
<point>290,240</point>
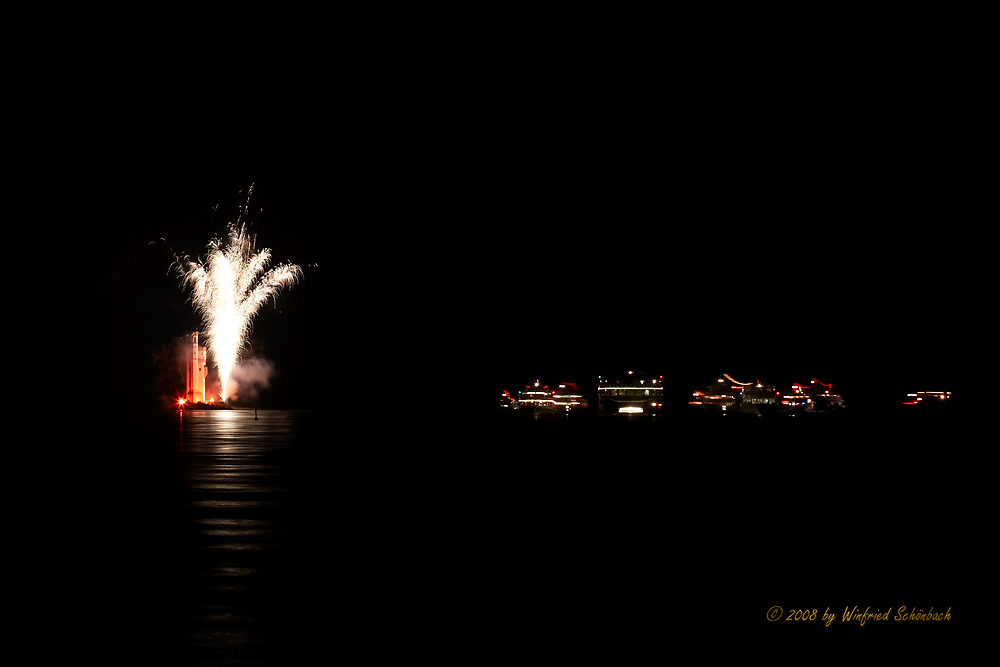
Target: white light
<point>617,388</point>
<point>630,410</point>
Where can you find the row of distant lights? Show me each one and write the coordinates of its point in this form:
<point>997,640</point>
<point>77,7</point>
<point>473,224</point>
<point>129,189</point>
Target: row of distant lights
<point>572,397</point>
<point>797,388</point>
<point>630,373</point>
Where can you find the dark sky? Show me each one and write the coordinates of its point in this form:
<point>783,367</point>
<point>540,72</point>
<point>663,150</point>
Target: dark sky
<point>482,228</point>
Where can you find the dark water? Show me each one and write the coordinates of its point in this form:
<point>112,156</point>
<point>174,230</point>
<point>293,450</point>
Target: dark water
<point>616,524</point>
<point>221,540</point>
<point>213,538</point>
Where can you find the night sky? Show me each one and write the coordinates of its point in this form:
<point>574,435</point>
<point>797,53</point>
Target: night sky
<point>766,220</point>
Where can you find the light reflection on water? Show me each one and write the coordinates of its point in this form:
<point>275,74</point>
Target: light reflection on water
<point>237,505</point>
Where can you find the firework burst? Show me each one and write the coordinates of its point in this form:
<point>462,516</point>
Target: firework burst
<point>228,288</point>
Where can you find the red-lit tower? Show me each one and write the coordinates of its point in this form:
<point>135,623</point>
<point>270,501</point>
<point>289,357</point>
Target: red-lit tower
<point>197,371</point>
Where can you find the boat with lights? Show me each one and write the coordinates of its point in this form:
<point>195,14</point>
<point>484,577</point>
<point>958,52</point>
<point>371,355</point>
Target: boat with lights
<point>730,396</point>
<point>537,398</point>
<point>507,402</point>
<point>813,397</point>
<point>568,397</point>
<point>927,400</point>
<point>634,394</point>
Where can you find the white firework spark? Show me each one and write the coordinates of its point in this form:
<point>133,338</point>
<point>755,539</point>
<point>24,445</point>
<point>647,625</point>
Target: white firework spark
<point>228,289</point>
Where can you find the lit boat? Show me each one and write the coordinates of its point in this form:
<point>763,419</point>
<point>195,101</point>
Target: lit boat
<point>536,398</point>
<point>730,396</point>
<point>542,399</point>
<point>567,395</point>
<point>633,395</point>
<point>928,399</point>
<point>813,397</point>
<point>507,402</point>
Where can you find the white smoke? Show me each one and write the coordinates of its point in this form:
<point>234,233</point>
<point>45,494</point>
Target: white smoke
<point>249,377</point>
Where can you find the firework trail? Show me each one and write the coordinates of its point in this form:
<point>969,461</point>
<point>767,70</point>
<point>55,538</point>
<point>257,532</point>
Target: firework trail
<point>228,288</point>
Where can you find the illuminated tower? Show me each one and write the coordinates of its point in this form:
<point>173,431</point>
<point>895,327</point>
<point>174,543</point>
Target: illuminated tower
<point>197,371</point>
